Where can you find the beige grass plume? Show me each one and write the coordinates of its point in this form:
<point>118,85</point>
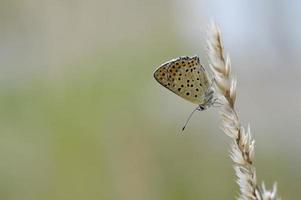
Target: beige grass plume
<point>242,151</point>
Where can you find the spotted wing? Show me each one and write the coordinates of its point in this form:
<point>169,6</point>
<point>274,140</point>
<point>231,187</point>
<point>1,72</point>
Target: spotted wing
<point>184,76</point>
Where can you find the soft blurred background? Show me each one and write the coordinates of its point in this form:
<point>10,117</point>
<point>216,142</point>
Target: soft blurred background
<point>81,116</point>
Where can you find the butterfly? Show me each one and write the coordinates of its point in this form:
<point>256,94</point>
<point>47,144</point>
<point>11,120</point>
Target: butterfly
<point>186,77</point>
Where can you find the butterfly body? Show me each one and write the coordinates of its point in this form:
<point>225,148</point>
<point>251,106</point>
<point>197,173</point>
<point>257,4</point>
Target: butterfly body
<point>186,77</point>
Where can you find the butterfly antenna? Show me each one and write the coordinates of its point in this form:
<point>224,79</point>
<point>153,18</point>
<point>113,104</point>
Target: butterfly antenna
<point>188,119</point>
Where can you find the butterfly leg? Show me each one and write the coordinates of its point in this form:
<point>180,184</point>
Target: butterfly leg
<point>212,82</point>
<point>216,103</point>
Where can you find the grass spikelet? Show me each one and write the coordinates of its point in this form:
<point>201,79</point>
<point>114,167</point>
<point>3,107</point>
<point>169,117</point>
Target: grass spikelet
<point>243,148</point>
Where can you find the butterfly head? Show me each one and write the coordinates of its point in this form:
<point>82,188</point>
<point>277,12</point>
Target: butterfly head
<point>202,107</point>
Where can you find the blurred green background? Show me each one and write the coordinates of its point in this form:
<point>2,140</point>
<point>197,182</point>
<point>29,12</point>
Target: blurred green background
<point>81,116</point>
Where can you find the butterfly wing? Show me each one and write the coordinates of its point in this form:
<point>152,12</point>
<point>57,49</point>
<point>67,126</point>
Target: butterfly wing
<point>184,76</point>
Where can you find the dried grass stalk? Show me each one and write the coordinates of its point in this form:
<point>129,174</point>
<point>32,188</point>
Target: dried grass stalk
<point>242,151</point>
